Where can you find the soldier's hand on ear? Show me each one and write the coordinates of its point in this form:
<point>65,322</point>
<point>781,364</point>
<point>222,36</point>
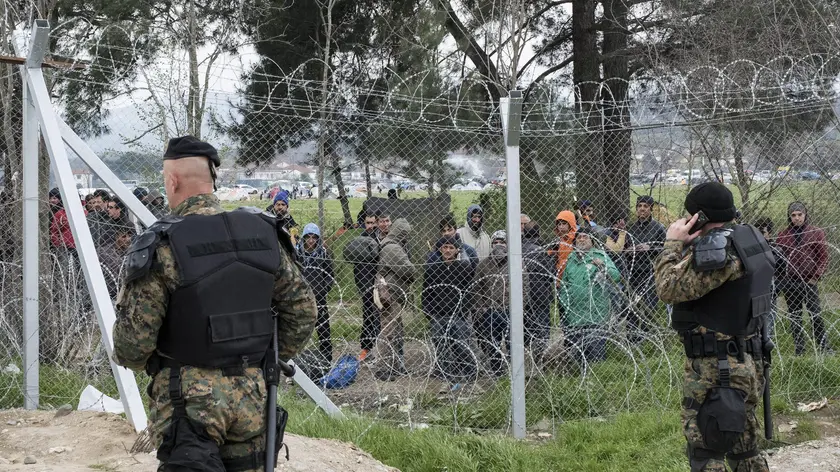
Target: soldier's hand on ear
<point>679,230</point>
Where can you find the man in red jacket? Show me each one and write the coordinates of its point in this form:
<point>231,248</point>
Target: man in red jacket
<point>806,252</point>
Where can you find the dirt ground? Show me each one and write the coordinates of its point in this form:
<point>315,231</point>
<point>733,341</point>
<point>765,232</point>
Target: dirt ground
<point>86,441</point>
<point>813,456</point>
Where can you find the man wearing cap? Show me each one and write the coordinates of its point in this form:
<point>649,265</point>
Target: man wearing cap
<point>280,208</point>
<point>196,310</point>
<point>718,275</point>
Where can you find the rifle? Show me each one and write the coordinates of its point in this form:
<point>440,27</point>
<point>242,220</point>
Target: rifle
<point>272,379</point>
<point>766,349</point>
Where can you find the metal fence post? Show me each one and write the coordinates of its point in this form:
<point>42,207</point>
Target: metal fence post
<point>31,342</point>
<point>511,110</point>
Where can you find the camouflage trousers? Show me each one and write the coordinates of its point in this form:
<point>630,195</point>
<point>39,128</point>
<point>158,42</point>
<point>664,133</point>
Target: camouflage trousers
<point>701,375</point>
<point>232,409</point>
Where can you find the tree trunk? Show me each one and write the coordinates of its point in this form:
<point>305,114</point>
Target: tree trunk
<point>342,194</point>
<point>586,78</point>
<point>617,139</point>
<point>193,101</point>
<point>368,184</point>
<point>323,132</point>
<point>741,178</point>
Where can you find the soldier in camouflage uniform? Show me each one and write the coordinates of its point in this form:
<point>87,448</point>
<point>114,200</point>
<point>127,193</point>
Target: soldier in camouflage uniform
<point>719,280</point>
<point>198,294</point>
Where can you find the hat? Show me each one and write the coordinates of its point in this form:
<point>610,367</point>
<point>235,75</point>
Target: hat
<point>584,204</point>
<point>55,193</point>
<point>531,231</point>
<point>444,240</point>
<point>282,196</point>
<point>140,193</point>
<point>154,195</point>
<point>645,199</point>
<point>190,146</point>
<point>500,234</point>
<point>713,199</point>
<point>797,206</point>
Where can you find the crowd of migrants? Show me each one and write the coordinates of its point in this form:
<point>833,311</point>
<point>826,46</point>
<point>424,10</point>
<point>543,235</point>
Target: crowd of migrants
<point>597,277</point>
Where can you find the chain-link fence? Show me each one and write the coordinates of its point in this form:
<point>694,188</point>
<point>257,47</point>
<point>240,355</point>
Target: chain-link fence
<point>396,198</point>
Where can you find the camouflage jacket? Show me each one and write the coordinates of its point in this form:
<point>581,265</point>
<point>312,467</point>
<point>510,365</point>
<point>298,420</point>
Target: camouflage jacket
<point>141,304</point>
<point>677,281</point>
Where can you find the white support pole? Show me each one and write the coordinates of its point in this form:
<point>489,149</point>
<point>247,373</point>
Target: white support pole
<point>511,114</point>
<point>147,218</point>
<point>31,239</point>
<point>105,174</point>
<point>126,384</point>
<point>316,394</point>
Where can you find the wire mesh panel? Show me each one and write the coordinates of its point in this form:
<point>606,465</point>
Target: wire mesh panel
<point>394,188</point>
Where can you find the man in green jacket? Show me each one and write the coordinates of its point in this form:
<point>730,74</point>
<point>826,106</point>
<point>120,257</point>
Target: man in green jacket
<point>585,296</point>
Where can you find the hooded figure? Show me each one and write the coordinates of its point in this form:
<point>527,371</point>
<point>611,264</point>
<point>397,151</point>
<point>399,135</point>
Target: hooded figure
<point>395,275</point>
<point>565,244</point>
<point>318,270</point>
<point>473,234</point>
<point>806,252</point>
<point>585,293</point>
<point>60,234</point>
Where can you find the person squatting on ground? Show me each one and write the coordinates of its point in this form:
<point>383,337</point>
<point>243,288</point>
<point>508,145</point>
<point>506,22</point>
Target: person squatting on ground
<point>227,272</point>
<point>806,252</point>
<point>446,300</point>
<point>719,280</point>
<point>588,281</point>
<point>395,274</point>
<point>319,273</point>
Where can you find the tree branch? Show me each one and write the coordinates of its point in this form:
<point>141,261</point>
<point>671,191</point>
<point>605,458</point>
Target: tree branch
<point>545,74</point>
<point>467,43</point>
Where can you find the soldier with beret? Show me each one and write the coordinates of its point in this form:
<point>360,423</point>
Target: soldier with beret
<point>718,275</point>
<point>195,310</point>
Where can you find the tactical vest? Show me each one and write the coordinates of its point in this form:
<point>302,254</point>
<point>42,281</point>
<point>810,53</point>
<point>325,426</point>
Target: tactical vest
<point>220,315</point>
<point>735,308</point>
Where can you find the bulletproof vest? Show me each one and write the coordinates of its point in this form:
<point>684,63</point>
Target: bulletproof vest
<point>736,307</point>
<point>220,314</point>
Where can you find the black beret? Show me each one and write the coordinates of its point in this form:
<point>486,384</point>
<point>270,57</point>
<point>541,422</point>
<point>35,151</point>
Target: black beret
<point>190,146</point>
<point>714,199</point>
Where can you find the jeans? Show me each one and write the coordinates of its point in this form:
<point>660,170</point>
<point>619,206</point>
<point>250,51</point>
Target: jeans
<point>370,321</point>
<point>322,327</point>
<point>493,329</point>
<point>587,343</point>
<point>799,293</point>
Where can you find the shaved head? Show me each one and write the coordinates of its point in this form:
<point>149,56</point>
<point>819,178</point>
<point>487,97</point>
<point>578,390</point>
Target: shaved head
<point>186,177</point>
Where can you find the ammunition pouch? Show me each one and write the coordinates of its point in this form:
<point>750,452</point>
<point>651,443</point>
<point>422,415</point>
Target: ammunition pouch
<point>186,446</point>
